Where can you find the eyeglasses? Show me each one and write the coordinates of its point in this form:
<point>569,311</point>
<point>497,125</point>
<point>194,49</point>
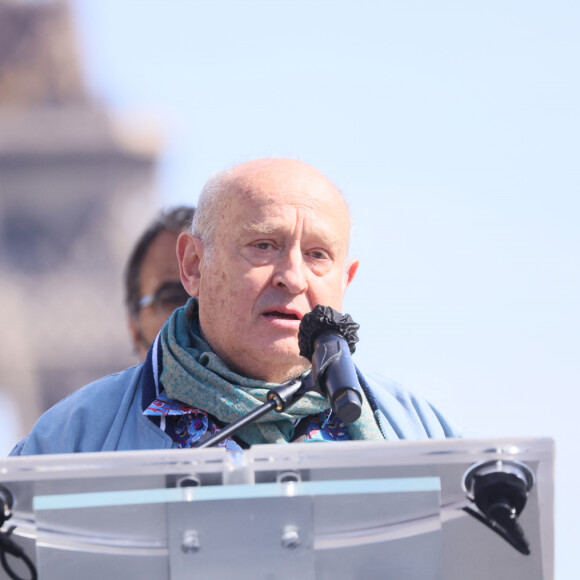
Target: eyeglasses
<point>167,297</point>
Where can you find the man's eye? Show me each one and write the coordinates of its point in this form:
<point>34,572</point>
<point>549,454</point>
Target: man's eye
<point>318,255</point>
<point>263,245</point>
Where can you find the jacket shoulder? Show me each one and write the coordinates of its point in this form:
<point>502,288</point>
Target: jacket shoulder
<point>406,416</point>
<point>81,421</point>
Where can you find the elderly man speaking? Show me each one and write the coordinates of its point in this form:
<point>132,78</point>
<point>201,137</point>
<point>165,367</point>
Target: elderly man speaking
<point>269,242</point>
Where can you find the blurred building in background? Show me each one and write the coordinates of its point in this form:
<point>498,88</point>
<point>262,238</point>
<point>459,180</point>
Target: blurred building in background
<point>76,189</point>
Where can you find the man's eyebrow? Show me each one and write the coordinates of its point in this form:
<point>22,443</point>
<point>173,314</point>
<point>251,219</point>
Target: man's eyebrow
<point>261,228</point>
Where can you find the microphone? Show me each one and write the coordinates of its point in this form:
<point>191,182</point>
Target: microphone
<point>327,338</point>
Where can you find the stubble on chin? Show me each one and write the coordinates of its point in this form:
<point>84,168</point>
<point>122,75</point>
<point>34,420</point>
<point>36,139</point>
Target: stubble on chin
<point>271,369</point>
<point>294,373</point>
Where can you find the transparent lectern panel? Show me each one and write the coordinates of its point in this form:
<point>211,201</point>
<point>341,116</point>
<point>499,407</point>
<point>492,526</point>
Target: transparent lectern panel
<point>143,520</point>
<point>272,530</point>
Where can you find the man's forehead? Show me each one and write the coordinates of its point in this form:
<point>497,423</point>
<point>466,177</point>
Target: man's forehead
<point>310,195</point>
<point>260,196</point>
<point>270,199</point>
<point>268,213</point>
<point>268,219</point>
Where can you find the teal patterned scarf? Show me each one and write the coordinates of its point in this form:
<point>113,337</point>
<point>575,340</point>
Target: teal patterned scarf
<point>193,374</point>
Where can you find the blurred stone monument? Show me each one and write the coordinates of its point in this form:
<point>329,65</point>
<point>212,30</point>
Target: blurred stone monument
<point>76,189</point>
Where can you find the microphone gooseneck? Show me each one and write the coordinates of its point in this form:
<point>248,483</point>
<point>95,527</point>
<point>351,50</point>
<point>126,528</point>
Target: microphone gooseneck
<point>327,338</point>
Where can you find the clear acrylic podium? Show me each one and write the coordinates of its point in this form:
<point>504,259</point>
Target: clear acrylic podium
<point>390,510</point>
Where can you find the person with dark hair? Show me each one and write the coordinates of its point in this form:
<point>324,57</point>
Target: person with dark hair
<point>268,246</point>
<point>153,288</point>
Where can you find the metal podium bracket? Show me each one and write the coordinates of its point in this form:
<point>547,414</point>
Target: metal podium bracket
<point>315,529</point>
<point>242,538</point>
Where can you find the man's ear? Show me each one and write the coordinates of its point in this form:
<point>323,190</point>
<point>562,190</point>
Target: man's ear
<point>189,255</point>
<point>351,268</point>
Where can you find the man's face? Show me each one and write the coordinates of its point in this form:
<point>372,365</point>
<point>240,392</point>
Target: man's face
<point>159,278</point>
<point>280,249</point>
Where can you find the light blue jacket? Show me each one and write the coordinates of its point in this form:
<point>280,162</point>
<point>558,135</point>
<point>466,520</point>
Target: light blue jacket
<point>107,415</point>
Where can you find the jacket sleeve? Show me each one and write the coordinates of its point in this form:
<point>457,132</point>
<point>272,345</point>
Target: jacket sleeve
<point>83,421</point>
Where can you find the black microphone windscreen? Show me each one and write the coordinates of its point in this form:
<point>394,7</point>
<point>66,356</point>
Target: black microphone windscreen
<point>325,319</point>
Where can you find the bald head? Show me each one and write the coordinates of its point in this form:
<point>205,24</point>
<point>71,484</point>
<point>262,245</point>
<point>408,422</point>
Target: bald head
<point>274,176</point>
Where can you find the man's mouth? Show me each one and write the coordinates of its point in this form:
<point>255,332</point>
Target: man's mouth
<point>278,314</point>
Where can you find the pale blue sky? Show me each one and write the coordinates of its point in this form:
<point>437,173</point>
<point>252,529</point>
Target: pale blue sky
<point>453,129</point>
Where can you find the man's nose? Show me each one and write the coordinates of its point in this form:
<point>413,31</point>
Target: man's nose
<point>291,271</point>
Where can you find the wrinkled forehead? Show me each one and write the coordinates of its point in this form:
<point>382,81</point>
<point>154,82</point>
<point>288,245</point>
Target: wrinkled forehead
<point>270,189</point>
<point>285,222</point>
